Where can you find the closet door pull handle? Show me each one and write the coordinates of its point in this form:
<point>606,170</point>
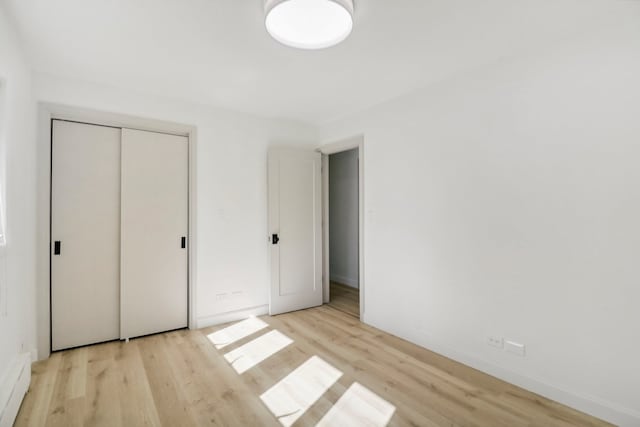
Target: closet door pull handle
<point>56,247</point>
<point>183,242</point>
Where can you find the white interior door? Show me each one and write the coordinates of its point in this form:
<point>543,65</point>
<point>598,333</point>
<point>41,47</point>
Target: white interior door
<point>295,220</point>
<point>85,234</point>
<point>154,232</point>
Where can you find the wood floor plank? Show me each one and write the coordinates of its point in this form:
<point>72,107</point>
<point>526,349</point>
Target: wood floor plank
<point>345,298</point>
<point>312,338</point>
<point>136,398</point>
<point>170,400</point>
<point>70,390</point>
<point>102,403</point>
<point>230,402</point>
<point>35,407</point>
<point>181,379</point>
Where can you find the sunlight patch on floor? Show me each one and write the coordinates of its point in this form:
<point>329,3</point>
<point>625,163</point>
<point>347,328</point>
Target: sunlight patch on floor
<point>250,354</point>
<point>296,392</point>
<point>358,406</point>
<point>224,337</point>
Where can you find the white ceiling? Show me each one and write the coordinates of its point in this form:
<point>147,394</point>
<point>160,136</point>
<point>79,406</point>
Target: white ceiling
<point>217,52</point>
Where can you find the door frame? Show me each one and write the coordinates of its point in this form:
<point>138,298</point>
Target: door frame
<point>333,147</point>
<point>46,113</point>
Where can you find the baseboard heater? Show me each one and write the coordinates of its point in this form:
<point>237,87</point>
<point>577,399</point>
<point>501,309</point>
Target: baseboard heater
<point>13,388</point>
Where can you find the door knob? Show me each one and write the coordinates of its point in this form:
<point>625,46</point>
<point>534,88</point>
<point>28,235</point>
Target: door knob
<point>275,239</point>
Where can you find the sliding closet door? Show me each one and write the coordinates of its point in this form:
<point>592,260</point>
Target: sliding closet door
<point>154,231</point>
<point>85,234</point>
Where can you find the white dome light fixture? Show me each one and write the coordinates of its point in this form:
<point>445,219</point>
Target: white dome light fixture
<point>309,24</point>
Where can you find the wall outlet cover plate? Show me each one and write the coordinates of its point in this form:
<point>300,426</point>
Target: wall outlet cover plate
<point>515,348</point>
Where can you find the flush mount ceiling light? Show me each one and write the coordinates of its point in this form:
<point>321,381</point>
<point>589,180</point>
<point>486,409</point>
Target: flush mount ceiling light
<point>309,24</point>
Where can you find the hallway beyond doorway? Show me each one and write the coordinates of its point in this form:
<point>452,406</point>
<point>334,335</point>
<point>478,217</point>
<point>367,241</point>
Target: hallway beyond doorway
<point>346,299</point>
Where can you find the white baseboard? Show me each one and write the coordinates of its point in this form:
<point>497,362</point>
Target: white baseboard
<point>343,280</point>
<point>13,388</point>
<point>597,407</point>
<point>231,316</point>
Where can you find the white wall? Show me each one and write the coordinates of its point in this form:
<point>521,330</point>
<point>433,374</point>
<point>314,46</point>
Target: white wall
<point>506,202</point>
<point>343,218</point>
<point>17,192</point>
<point>231,188</point>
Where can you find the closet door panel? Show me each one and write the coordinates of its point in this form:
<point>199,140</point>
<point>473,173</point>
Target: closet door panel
<point>154,221</point>
<point>85,219</point>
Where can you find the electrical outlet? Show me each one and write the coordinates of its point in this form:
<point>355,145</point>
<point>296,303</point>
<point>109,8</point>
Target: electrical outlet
<point>226,295</point>
<point>495,341</point>
<point>515,348</point>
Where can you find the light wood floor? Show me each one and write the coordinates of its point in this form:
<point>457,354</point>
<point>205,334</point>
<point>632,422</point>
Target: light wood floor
<point>345,298</point>
<point>181,379</point>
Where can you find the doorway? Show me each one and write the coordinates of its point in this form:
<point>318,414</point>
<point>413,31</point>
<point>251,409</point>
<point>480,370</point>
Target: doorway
<point>299,227</point>
<point>344,277</point>
<point>342,219</point>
